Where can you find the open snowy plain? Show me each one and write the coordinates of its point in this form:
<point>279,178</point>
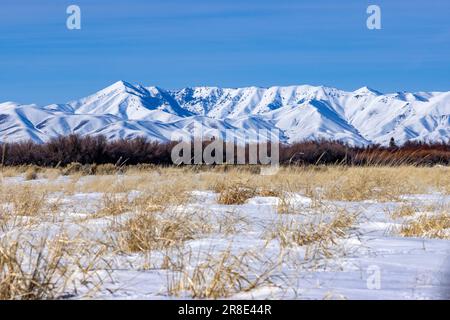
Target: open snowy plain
<point>164,233</point>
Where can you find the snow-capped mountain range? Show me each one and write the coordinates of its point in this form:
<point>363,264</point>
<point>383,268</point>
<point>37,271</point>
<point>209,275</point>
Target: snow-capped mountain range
<point>304,112</point>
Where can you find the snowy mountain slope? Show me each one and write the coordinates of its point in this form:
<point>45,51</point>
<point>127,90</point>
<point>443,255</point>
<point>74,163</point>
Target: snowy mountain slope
<point>304,112</point>
<point>128,102</point>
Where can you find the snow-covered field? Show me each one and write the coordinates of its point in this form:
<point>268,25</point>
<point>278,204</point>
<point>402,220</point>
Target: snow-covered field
<point>279,243</point>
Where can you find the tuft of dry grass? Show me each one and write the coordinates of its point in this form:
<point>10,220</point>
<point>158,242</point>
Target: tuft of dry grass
<point>106,169</point>
<point>15,171</point>
<point>31,174</point>
<point>158,200</point>
<point>73,168</point>
<point>231,223</point>
<point>269,192</point>
<point>146,231</point>
<point>428,226</point>
<point>221,275</point>
<point>29,272</point>
<point>113,204</point>
<point>321,232</point>
<point>235,193</point>
<point>404,211</point>
<point>381,183</point>
<point>26,201</point>
<point>285,205</point>
<point>358,186</point>
<point>48,267</point>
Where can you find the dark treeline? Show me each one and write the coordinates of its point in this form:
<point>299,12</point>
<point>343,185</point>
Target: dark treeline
<point>98,150</point>
<point>332,152</point>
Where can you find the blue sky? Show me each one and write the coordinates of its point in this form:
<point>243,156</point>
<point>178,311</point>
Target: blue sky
<point>178,43</point>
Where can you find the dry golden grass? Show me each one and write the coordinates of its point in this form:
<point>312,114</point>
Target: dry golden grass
<point>158,200</point>
<point>103,184</point>
<point>269,192</point>
<point>320,232</point>
<point>32,271</point>
<point>32,265</point>
<point>332,182</point>
<point>405,210</point>
<point>362,185</point>
<point>285,205</point>
<point>237,193</point>
<point>51,173</point>
<point>428,226</point>
<point>113,204</point>
<point>384,183</point>
<point>31,174</point>
<point>26,201</point>
<point>156,197</point>
<point>18,170</point>
<point>221,275</point>
<point>75,168</point>
<point>29,201</point>
<point>106,169</point>
<point>338,182</point>
<point>147,231</point>
<point>48,267</point>
<point>231,223</point>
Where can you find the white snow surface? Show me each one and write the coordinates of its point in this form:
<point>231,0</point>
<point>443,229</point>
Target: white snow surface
<point>303,112</point>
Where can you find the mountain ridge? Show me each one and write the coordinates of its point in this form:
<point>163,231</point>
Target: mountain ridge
<point>304,112</point>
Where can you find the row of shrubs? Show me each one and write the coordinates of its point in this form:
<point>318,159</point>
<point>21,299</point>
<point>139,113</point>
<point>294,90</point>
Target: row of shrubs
<point>63,151</point>
<point>332,152</point>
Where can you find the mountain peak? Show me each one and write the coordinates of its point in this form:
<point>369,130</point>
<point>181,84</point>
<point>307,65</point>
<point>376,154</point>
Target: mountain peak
<point>122,83</point>
<point>367,90</point>
<point>124,87</point>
